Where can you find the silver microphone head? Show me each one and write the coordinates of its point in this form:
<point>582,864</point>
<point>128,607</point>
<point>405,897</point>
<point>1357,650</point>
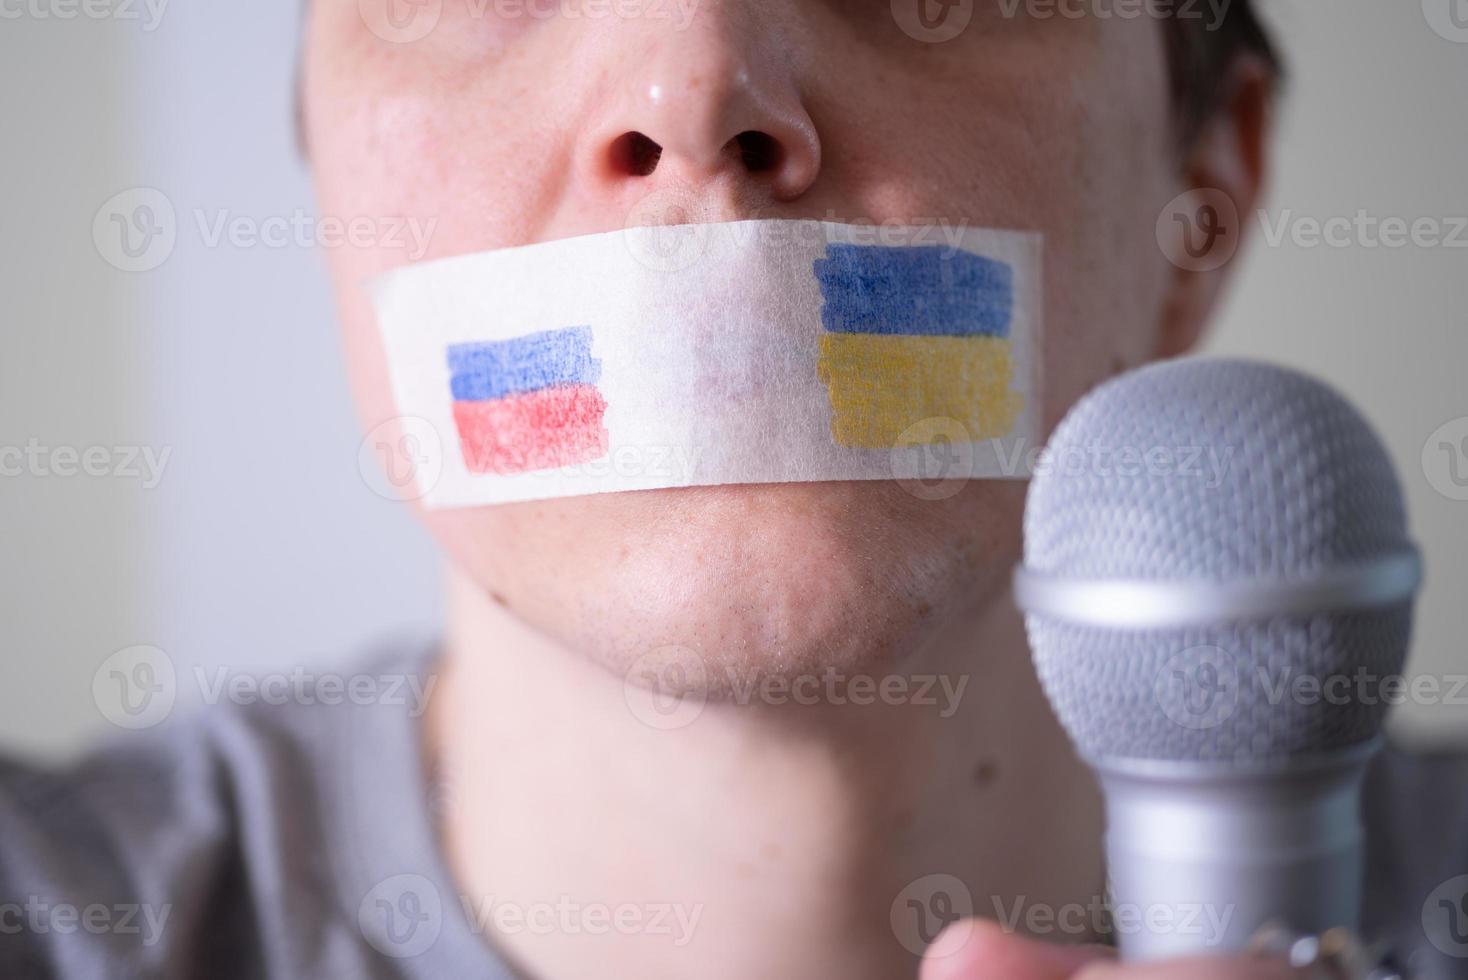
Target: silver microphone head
<point>1217,568</point>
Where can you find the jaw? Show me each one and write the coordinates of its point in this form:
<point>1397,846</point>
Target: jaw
<point>768,580</point>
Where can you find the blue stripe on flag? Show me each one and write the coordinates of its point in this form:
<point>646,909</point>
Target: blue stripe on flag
<point>930,289</point>
<point>493,369</point>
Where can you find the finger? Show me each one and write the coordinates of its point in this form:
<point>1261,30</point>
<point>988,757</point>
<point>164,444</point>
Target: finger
<point>1208,968</point>
<point>976,949</point>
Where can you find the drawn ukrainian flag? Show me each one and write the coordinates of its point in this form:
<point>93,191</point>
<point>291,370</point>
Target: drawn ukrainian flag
<point>915,333</point>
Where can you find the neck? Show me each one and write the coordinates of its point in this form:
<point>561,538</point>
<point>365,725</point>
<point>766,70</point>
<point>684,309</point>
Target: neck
<point>794,829</point>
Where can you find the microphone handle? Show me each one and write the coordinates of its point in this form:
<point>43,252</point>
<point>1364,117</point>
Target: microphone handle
<point>1202,856</point>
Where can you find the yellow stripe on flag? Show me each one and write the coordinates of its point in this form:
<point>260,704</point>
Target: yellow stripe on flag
<point>882,384</point>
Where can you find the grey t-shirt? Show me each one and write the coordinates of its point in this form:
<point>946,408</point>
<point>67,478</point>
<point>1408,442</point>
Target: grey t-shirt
<point>297,841</point>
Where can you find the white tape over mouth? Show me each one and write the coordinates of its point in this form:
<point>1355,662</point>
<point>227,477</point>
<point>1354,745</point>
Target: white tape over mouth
<point>698,355</point>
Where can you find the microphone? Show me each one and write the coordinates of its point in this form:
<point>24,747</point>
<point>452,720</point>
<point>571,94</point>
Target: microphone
<point>1218,583</point>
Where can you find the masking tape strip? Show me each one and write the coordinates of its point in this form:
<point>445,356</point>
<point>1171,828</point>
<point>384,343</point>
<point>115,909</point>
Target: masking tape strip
<point>698,355</point>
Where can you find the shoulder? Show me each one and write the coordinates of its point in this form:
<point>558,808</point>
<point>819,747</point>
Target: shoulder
<point>215,844</point>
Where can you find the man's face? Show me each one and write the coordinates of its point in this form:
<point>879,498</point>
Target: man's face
<point>509,124</point>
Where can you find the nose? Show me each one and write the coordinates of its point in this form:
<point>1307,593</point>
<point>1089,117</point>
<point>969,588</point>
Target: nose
<point>716,100</point>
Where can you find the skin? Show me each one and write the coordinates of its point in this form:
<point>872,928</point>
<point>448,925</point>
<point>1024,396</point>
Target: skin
<point>985,952</point>
<point>793,827</point>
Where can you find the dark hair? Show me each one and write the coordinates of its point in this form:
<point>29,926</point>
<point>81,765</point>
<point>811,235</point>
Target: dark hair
<point>1200,53</point>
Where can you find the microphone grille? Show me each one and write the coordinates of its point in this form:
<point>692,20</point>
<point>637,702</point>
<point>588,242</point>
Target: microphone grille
<point>1216,471</point>
<point>1255,471</point>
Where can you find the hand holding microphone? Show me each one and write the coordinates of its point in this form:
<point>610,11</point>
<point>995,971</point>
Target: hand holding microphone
<point>1217,580</point>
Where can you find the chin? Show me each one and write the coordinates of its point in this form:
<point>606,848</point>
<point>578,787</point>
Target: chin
<point>755,581</point>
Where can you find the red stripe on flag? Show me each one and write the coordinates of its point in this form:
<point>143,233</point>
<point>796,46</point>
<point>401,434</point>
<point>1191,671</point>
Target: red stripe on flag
<point>536,430</point>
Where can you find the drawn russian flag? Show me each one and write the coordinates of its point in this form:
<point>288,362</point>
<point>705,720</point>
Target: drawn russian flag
<point>911,334</point>
<point>529,403</point>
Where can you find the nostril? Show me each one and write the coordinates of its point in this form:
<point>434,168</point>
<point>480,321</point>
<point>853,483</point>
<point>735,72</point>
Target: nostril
<point>635,155</point>
<point>759,151</point>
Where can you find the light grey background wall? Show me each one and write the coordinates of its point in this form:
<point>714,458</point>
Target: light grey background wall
<point>263,547</point>
<point>1375,122</point>
<point>72,363</point>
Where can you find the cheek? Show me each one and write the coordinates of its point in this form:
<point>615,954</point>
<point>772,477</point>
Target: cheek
<point>456,132</point>
<point>391,159</point>
<point>1099,177</point>
<point>1092,174</point>
<point>1058,128</point>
